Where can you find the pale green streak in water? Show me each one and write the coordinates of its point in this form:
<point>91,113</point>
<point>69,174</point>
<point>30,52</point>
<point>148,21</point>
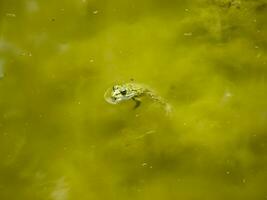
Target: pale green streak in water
<point>60,140</point>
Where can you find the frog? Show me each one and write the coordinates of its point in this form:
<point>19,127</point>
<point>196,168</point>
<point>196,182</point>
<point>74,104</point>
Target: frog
<point>134,91</point>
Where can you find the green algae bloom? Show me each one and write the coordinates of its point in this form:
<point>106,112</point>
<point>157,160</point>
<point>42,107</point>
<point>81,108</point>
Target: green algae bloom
<point>60,139</point>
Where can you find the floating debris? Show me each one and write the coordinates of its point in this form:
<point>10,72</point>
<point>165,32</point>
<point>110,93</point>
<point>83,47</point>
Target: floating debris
<point>11,15</point>
<point>188,34</point>
<point>144,164</point>
<point>1,69</point>
<point>25,53</point>
<point>147,133</point>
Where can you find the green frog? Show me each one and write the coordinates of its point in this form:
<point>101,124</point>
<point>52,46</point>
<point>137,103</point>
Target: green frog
<point>133,91</point>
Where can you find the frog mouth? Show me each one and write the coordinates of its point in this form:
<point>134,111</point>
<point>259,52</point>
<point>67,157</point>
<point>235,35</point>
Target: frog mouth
<point>108,97</point>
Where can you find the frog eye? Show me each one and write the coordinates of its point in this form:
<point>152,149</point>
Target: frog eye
<point>123,91</point>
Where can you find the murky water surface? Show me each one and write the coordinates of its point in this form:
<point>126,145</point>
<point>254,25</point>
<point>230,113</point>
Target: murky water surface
<point>59,138</point>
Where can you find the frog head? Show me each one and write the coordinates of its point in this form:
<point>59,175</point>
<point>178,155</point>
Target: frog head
<point>118,93</point>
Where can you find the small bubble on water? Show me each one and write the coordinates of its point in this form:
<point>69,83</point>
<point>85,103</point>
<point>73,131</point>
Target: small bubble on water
<point>95,12</point>
<point>228,94</point>
<point>144,164</point>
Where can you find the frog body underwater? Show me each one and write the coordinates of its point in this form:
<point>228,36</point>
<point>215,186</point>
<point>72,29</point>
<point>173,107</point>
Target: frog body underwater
<point>133,91</point>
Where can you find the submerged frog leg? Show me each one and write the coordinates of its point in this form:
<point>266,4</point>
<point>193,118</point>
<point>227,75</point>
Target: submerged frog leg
<point>137,102</point>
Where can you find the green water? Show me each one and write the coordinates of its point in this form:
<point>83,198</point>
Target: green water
<point>60,140</point>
